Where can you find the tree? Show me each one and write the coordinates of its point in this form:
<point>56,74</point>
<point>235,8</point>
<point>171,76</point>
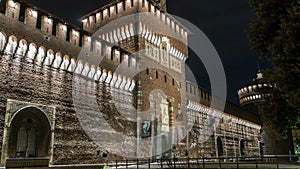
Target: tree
<point>275,36</point>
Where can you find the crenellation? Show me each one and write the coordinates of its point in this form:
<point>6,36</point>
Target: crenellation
<point>72,65</point>
<point>3,38</point>
<point>58,60</point>
<point>86,69</point>
<point>13,9</point>
<point>65,62</point>
<point>31,53</point>
<point>22,48</point>
<point>103,76</point>
<point>98,74</point>
<point>11,45</point>
<point>31,17</point>
<point>49,58</point>
<point>39,56</point>
<point>47,24</point>
<point>109,77</point>
<point>74,37</point>
<point>61,31</point>
<point>79,67</point>
<point>92,72</point>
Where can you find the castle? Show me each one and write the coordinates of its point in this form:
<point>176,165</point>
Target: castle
<point>55,99</point>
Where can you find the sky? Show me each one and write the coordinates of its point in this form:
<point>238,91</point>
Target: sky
<point>225,23</point>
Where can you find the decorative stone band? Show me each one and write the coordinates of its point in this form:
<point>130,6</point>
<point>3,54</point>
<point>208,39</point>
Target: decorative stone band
<point>129,30</point>
<point>116,8</point>
<point>157,40</point>
<point>220,115</point>
<point>41,56</point>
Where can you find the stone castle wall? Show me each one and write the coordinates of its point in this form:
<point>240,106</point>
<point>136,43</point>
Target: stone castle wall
<point>47,62</point>
<point>33,74</point>
<point>26,82</point>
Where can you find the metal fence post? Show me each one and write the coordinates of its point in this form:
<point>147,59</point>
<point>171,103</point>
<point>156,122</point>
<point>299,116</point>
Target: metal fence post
<point>256,165</point>
<point>203,162</point>
<point>174,162</point>
<point>126,164</point>
<point>188,159</point>
<point>137,163</point>
<point>237,162</point>
<point>116,164</point>
<point>220,162</point>
<point>161,163</point>
<point>277,165</point>
<point>149,160</point>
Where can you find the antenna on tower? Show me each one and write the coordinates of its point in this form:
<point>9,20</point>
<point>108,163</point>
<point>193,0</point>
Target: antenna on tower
<point>259,74</point>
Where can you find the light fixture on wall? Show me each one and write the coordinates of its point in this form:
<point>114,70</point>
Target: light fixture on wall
<point>84,20</point>
<point>64,27</point>
<point>48,20</point>
<point>13,4</point>
<point>33,13</point>
<point>76,33</point>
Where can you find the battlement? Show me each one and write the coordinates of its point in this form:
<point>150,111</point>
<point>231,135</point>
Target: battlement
<point>40,56</point>
<point>205,98</point>
<point>96,19</point>
<point>220,116</point>
<point>49,24</point>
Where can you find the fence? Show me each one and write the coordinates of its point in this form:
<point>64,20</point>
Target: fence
<point>269,161</point>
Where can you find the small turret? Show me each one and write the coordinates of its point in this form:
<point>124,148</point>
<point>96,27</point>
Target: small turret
<point>162,4</point>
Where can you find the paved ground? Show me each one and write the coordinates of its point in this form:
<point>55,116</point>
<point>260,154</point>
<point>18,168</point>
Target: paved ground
<point>214,166</point>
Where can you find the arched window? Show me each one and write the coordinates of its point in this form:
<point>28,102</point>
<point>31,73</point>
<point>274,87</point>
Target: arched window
<point>219,147</point>
<point>242,147</point>
<point>29,134</point>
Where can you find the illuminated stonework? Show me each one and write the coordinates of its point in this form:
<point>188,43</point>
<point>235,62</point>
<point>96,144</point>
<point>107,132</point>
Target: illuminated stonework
<point>38,58</point>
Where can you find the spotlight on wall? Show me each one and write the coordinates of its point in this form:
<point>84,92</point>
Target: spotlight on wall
<point>84,20</point>
<point>64,27</point>
<point>33,13</point>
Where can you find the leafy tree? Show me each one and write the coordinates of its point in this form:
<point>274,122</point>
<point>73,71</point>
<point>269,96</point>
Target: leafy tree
<point>275,36</point>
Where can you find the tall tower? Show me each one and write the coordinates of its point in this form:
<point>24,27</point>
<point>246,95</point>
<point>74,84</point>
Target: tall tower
<point>161,67</point>
<point>162,4</point>
<point>250,96</point>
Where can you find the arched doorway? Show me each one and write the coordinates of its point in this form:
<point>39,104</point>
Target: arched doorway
<point>29,134</point>
<point>219,147</point>
<point>242,148</point>
<point>261,149</point>
<point>166,152</point>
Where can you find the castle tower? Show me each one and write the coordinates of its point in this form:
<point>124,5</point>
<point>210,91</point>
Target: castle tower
<point>250,96</point>
<point>161,65</point>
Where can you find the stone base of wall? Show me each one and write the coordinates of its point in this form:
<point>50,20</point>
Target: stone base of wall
<point>21,162</point>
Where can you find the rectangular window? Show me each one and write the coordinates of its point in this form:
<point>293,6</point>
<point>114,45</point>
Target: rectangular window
<point>156,74</point>
<point>68,34</point>
<point>124,5</point>
<point>54,27</point>
<point>2,6</point>
<point>22,13</point>
<point>39,21</point>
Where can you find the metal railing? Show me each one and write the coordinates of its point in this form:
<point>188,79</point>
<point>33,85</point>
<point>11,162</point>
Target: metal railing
<point>267,161</point>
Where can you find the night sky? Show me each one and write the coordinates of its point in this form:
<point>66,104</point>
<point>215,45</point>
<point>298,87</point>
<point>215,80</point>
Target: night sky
<point>224,22</point>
